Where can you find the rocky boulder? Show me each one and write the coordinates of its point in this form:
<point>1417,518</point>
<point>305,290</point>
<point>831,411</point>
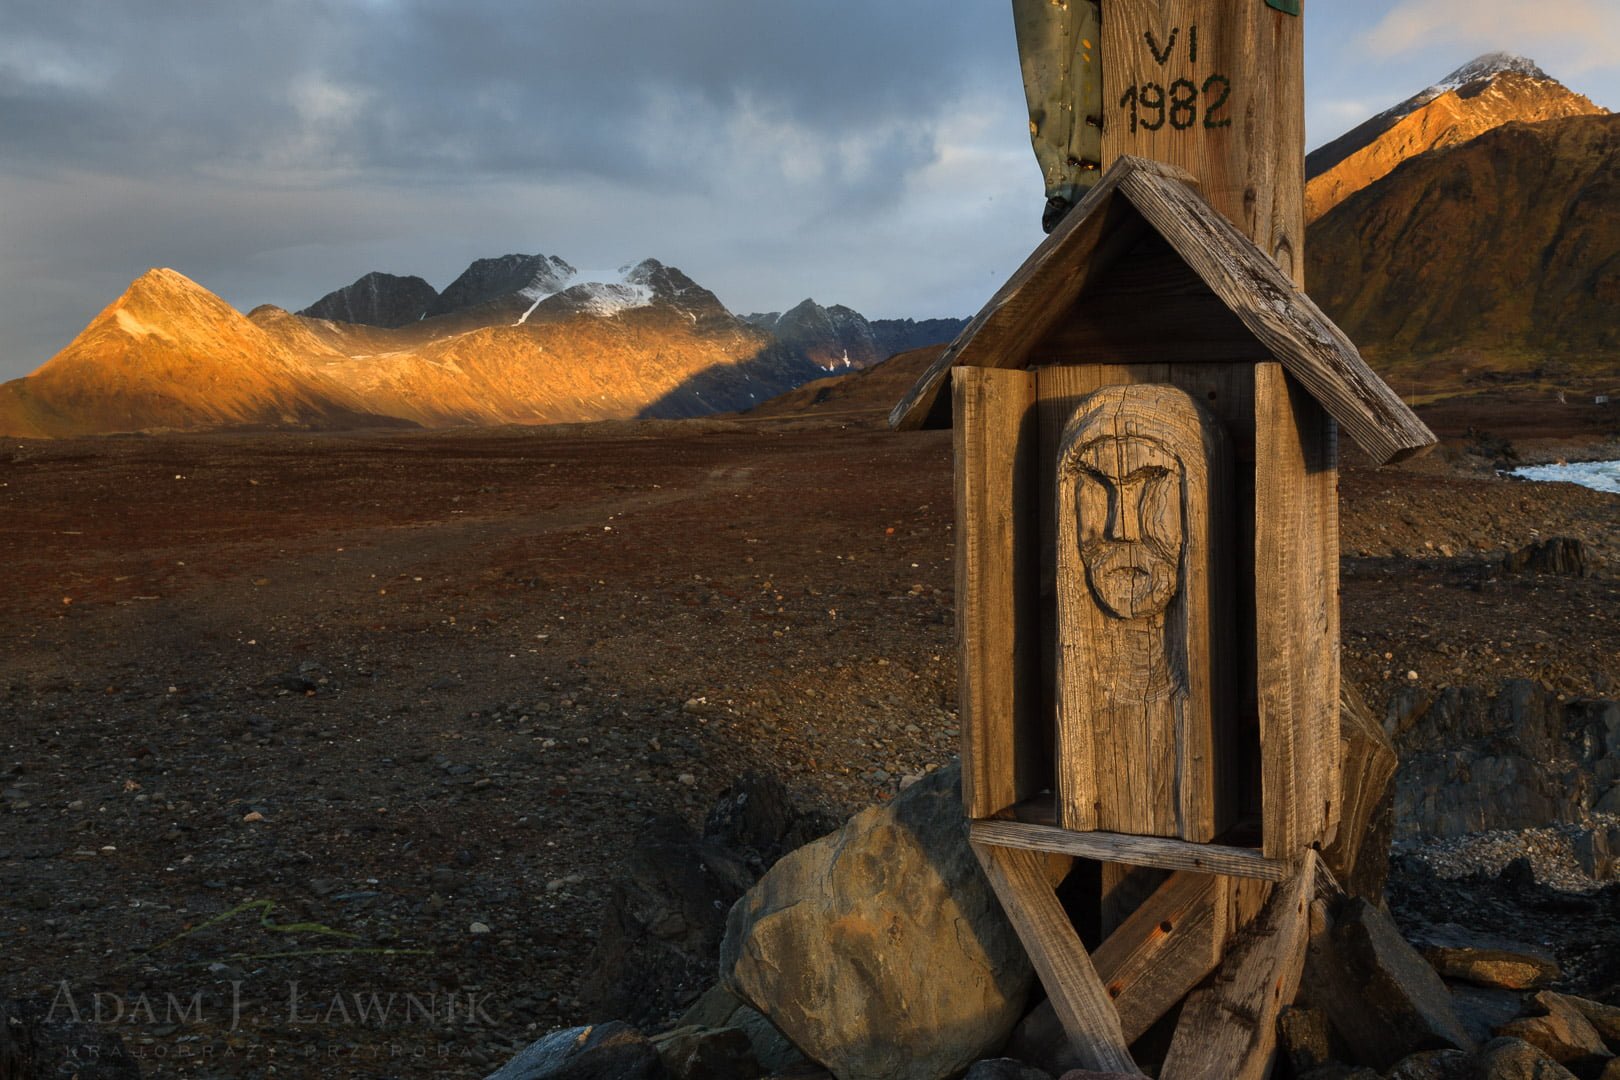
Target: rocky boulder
<point>1555,555</point>
<point>662,924</point>
<point>1472,760</point>
<point>1381,997</point>
<point>880,950</point>
<point>1485,960</point>
<point>1515,1059</point>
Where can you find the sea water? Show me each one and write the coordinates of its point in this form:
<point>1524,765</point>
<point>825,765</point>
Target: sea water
<point>1600,475</point>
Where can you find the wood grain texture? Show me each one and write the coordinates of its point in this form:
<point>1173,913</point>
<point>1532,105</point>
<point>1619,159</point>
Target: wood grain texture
<point>1227,390</point>
<point>1367,764</point>
<point>1285,321</point>
<point>1164,949</point>
<point>1137,850</point>
<point>1124,889</point>
<point>1004,737</point>
<point>1228,1030</point>
<point>1237,72</point>
<point>1296,564</point>
<point>1059,957</point>
<point>1079,251</point>
<point>1143,498</point>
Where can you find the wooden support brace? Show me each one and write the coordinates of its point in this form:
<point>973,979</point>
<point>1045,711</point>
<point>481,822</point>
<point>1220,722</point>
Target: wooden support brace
<point>1228,1030</point>
<point>1358,856</point>
<point>1137,850</point>
<point>1060,959</point>
<point>1164,949</point>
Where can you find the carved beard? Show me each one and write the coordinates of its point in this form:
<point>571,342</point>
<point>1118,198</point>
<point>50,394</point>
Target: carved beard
<point>1131,579</point>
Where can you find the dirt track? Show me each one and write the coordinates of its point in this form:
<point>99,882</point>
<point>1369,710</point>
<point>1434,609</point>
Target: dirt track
<point>452,672</point>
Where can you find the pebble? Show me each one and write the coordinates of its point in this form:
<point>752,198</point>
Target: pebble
<point>478,928</point>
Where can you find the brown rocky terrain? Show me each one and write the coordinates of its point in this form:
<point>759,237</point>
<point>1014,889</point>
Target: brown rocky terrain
<point>1496,258</point>
<point>1484,94</point>
<point>429,689</point>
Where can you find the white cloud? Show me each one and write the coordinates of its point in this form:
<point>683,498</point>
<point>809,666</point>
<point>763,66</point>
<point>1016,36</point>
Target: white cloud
<point>1575,35</point>
<point>41,64</point>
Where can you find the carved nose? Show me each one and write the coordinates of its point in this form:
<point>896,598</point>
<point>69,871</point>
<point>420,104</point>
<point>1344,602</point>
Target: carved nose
<point>1122,523</point>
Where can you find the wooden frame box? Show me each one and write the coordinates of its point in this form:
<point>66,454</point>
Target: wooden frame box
<point>1144,284</point>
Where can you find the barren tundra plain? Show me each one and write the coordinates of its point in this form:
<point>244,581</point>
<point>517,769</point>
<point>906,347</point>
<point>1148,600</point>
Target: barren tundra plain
<point>296,722</point>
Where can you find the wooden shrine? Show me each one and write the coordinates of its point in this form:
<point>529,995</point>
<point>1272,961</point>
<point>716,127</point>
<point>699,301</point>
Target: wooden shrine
<point>1146,419</point>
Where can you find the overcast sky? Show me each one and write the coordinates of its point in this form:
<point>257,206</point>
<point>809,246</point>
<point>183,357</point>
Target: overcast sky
<point>867,153</point>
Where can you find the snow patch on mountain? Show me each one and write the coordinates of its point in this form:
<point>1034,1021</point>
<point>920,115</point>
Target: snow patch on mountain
<point>1481,67</point>
<point>596,292</point>
<point>136,328</point>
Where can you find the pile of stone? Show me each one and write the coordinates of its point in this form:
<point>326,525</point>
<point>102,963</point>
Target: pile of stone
<point>878,952</point>
<point>1518,758</point>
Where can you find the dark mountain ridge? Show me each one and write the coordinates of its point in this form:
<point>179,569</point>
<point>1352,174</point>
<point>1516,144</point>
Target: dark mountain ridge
<point>1497,254</point>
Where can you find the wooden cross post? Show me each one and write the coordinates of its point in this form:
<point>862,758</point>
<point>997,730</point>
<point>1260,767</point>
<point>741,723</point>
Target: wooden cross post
<point>1146,462</point>
<point>1214,88</point>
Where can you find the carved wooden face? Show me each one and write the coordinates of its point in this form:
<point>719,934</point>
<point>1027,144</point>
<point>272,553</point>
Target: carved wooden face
<point>1128,507</point>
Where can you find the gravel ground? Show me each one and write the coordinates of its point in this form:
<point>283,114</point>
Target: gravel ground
<point>1550,851</point>
<point>298,722</point>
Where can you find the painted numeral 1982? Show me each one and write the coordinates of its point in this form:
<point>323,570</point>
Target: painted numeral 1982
<point>1153,106</point>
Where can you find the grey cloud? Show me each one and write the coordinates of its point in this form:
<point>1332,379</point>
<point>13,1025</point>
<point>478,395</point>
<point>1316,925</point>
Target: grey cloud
<point>277,149</point>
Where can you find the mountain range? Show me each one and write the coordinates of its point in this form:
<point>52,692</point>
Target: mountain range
<point>1485,93</point>
<point>1495,258</point>
<point>523,339</point>
<point>1484,253</point>
<point>1469,234</point>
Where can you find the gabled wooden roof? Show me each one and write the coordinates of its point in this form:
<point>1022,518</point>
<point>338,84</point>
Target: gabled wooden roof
<point>1135,196</point>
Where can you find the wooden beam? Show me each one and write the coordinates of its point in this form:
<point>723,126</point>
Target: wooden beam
<point>1217,89</point>
<point>1059,957</point>
<point>997,590</point>
<point>1137,850</point>
<point>1164,949</point>
<point>1228,1030</point>
<point>1296,581</point>
<point>1367,764</point>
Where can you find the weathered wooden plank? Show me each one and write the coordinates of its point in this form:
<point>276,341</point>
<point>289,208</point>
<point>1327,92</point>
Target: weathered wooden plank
<point>1227,390</point>
<point>1217,89</point>
<point>1284,320</point>
<point>1247,897</point>
<point>1296,580</point>
<point>1138,850</point>
<point>1059,957</point>
<point>1004,738</point>
<point>1080,250</point>
<point>1144,625</point>
<point>1228,1030</point>
<point>1164,949</point>
<point>1124,889</point>
<point>1367,764</point>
